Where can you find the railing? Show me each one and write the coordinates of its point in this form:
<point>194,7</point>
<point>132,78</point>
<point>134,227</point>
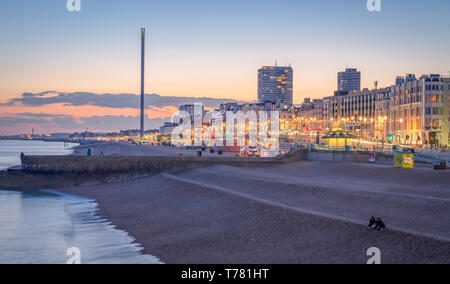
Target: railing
<point>433,159</point>
<point>430,157</point>
<point>424,155</point>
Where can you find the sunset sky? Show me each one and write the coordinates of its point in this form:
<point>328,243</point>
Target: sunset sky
<point>62,71</point>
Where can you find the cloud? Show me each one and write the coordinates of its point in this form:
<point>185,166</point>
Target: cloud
<point>66,121</point>
<point>41,115</point>
<point>114,123</point>
<point>12,121</point>
<point>79,111</point>
<point>38,94</point>
<point>105,123</point>
<point>109,100</point>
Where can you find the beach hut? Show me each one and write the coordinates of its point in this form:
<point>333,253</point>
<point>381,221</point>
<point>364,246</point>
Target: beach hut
<point>259,149</point>
<point>244,151</point>
<point>251,151</point>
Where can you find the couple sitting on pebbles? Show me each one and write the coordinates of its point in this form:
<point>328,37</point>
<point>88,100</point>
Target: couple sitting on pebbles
<point>376,224</point>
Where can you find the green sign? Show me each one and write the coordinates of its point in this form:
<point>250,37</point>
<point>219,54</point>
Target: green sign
<point>398,161</point>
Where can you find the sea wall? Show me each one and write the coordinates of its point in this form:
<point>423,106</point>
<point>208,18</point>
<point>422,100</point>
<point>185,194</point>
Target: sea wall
<point>141,164</point>
<point>153,165</point>
<point>39,172</point>
<point>350,156</point>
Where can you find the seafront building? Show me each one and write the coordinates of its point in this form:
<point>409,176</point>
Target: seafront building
<point>382,127</point>
<point>275,84</point>
<point>349,81</point>
<point>191,109</point>
<point>413,112</point>
<point>355,112</point>
<point>419,111</point>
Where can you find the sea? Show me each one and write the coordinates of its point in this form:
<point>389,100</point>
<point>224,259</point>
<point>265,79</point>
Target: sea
<point>48,227</point>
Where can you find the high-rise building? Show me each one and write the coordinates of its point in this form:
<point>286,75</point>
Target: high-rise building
<point>349,81</point>
<point>275,84</point>
<point>192,109</point>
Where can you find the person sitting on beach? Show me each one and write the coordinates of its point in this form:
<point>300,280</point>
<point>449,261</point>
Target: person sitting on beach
<point>371,223</point>
<point>379,225</point>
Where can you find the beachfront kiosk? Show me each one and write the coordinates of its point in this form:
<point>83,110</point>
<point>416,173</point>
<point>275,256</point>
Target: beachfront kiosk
<point>339,139</point>
<point>247,151</point>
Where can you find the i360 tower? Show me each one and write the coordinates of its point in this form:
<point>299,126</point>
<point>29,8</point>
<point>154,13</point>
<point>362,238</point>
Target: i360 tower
<point>142,79</point>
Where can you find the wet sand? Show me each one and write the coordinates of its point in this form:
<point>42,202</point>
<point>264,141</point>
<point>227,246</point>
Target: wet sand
<point>295,213</point>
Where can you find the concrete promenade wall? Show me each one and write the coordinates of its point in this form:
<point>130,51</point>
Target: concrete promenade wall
<point>350,156</point>
<point>152,165</point>
<point>141,164</point>
<point>63,171</point>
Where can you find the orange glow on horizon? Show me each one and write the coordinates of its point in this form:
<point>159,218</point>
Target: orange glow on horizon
<point>85,111</point>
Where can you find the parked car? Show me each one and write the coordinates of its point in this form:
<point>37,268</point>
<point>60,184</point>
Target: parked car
<point>408,151</point>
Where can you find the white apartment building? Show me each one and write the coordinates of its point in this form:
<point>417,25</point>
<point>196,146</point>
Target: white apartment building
<point>419,111</point>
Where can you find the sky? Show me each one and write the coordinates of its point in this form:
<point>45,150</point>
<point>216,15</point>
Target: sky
<point>198,49</point>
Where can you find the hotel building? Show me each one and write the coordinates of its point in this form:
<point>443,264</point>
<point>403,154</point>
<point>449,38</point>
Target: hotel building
<point>382,115</point>
<point>419,111</point>
<point>275,84</point>
<point>349,81</point>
